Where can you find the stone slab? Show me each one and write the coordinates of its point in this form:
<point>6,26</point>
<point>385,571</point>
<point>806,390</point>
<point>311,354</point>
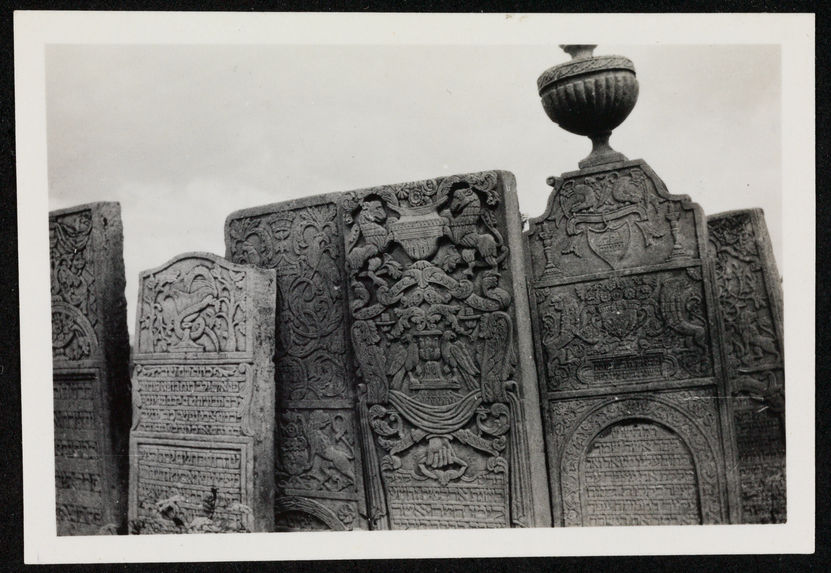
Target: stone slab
<point>90,354</point>
<point>628,351</point>
<point>202,440</point>
<point>326,367</point>
<point>750,301</point>
<point>319,475</point>
<point>446,381</point>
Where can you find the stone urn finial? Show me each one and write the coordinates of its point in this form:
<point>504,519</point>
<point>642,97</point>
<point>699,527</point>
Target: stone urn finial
<point>577,51</point>
<point>590,95</point>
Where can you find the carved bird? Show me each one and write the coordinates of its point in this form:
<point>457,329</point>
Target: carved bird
<point>402,358</point>
<point>581,199</point>
<point>456,355</point>
<point>625,191</point>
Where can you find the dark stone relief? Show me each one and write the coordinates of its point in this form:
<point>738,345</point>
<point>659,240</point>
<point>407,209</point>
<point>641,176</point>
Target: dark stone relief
<point>624,330</point>
<point>623,302</point>
<point>750,301</point>
<point>202,440</point>
<point>319,468</point>
<point>90,350</point>
<point>402,403</point>
<point>317,452</point>
<point>435,336</point>
<point>609,219</point>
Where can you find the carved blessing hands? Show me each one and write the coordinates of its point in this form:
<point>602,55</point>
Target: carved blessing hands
<point>439,452</point>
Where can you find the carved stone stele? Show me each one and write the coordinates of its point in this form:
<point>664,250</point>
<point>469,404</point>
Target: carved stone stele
<point>202,441</point>
<point>750,300</point>
<point>90,353</point>
<point>440,332</point>
<point>407,391</point>
<point>319,473</point>
<point>627,347</point>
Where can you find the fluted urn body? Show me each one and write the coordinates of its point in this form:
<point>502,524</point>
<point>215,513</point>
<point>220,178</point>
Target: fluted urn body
<point>590,95</point>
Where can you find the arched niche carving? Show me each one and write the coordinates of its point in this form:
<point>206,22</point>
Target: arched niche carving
<point>605,416</point>
<point>314,515</point>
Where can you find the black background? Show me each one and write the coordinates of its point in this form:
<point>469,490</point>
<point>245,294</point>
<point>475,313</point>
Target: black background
<point>11,477</point>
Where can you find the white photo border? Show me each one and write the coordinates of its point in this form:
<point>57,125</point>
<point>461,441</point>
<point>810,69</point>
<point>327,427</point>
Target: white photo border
<point>793,32</point>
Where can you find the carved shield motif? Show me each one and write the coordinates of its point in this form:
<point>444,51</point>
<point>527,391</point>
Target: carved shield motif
<point>621,317</point>
<point>610,244</point>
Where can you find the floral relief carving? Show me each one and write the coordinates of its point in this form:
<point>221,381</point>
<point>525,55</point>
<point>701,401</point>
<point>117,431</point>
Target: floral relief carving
<point>193,306</point>
<point>316,452</point>
<point>624,329</point>
<point>303,246</point>
<point>748,298</point>
<point>74,303</point>
<point>750,334</point>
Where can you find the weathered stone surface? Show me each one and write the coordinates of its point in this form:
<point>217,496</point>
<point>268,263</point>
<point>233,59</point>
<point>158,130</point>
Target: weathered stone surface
<point>202,441</point>
<point>90,351</point>
<point>430,345</point>
<point>319,476</point>
<point>750,300</point>
<point>628,353</point>
<point>446,384</point>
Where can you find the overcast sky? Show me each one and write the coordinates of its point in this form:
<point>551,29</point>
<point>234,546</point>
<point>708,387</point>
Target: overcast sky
<point>183,135</point>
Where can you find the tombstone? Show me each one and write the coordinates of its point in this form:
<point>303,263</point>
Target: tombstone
<point>750,300</point>
<point>627,340</point>
<point>202,440</point>
<point>90,350</point>
<point>439,327</point>
<point>435,428</point>
<point>319,477</point>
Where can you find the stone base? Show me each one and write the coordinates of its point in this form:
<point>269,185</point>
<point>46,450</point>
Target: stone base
<point>601,158</point>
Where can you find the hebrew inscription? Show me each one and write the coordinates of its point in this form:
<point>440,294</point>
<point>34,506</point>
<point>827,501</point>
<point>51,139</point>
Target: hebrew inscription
<point>318,456</point>
<point>434,331</point>
<point>639,474</point>
<point>203,399</point>
<point>623,301</point>
<point>90,350</point>
<point>647,459</point>
<point>750,301</point>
